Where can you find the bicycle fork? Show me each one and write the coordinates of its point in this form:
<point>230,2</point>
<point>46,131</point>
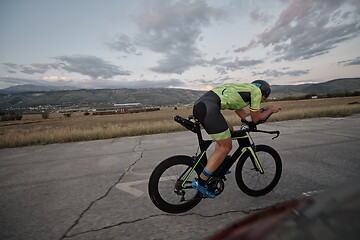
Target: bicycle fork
<point>254,159</point>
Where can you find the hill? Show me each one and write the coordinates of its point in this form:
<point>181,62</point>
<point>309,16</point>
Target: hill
<point>333,86</point>
<point>33,88</point>
<point>35,95</point>
<point>101,97</point>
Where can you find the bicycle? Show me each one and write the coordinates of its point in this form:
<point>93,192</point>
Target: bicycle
<point>257,172</point>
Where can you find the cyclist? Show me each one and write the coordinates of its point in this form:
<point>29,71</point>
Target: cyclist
<point>229,96</point>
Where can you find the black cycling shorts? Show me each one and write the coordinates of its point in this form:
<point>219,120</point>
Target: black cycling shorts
<point>207,110</point>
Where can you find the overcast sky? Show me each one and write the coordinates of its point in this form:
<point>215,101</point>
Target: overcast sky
<point>186,44</point>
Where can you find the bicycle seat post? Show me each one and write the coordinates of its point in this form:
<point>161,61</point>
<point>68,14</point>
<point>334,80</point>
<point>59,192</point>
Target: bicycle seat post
<point>204,145</point>
<point>198,132</point>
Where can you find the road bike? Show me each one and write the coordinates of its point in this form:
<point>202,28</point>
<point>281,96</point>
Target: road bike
<point>257,172</point>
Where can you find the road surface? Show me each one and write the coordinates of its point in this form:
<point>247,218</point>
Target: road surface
<point>98,189</point>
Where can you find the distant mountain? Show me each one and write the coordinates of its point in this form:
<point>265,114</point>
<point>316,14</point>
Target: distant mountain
<point>31,96</point>
<point>101,97</point>
<point>333,86</point>
<point>34,88</point>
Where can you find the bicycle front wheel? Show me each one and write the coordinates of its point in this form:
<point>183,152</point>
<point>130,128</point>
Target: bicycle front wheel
<point>248,177</point>
<point>166,187</point>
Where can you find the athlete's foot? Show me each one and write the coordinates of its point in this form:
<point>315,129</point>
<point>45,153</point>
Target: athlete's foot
<point>204,191</point>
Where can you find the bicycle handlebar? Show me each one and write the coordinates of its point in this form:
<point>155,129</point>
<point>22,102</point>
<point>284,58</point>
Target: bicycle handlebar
<point>269,132</point>
<point>251,126</point>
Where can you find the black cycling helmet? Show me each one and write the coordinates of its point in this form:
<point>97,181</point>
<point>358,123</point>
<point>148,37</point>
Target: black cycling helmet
<point>264,87</point>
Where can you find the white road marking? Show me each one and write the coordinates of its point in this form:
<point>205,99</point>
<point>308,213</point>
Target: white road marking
<point>128,187</point>
<point>311,193</point>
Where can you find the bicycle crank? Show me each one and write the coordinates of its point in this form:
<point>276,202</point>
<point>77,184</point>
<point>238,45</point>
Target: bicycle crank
<point>216,185</point>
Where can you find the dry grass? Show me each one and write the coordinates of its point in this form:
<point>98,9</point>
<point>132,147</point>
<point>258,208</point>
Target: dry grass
<point>33,130</point>
<point>312,108</point>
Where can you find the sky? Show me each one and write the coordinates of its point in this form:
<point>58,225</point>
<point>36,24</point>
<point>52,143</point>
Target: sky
<point>191,44</point>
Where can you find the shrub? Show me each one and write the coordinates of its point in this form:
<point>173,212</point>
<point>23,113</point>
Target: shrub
<point>11,117</point>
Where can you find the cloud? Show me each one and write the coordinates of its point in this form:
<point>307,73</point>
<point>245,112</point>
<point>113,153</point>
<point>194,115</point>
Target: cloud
<point>91,66</point>
<point>223,67</point>
<point>260,17</point>
<point>356,4</point>
<point>56,78</point>
<point>123,43</point>
<point>94,67</point>
<point>355,61</point>
<point>91,83</point>
<point>241,64</point>
<point>251,44</point>
<point>173,30</point>
<point>11,81</point>
<point>221,70</point>
<point>304,82</point>
<point>132,84</point>
<point>15,81</point>
<point>306,29</point>
<point>207,84</point>
<point>29,69</point>
<point>276,73</point>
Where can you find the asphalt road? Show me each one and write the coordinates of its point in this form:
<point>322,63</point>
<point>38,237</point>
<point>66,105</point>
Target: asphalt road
<point>98,189</point>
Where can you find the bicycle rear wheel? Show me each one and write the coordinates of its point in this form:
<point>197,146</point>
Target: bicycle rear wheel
<point>248,177</point>
<point>165,185</point>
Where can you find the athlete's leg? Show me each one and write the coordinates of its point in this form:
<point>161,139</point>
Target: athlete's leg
<point>222,149</point>
<point>207,110</point>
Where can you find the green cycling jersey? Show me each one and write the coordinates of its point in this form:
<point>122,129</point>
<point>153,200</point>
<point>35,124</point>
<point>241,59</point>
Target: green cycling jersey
<point>235,96</point>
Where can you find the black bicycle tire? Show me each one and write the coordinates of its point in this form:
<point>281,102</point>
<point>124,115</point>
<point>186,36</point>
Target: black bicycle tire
<point>153,190</point>
<point>246,156</point>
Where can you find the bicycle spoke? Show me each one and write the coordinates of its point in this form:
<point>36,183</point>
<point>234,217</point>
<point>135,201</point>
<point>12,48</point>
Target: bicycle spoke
<point>167,185</point>
<point>253,178</point>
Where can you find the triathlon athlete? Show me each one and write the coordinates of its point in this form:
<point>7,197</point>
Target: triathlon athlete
<point>230,96</point>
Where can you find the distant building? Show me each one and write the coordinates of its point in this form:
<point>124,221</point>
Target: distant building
<point>126,104</point>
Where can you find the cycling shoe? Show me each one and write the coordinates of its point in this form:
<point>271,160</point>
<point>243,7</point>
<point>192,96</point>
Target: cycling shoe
<point>204,191</point>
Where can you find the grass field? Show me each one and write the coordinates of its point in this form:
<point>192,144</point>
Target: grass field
<point>33,130</point>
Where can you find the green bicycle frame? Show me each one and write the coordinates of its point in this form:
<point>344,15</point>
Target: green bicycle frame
<point>192,169</point>
<point>256,160</point>
<point>244,144</point>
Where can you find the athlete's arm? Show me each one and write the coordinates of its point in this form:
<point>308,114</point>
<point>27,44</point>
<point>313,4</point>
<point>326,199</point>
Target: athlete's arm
<point>242,114</point>
<point>263,114</point>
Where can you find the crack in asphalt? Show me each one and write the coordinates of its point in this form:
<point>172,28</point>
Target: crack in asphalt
<point>76,222</point>
<point>165,215</point>
<point>135,149</point>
